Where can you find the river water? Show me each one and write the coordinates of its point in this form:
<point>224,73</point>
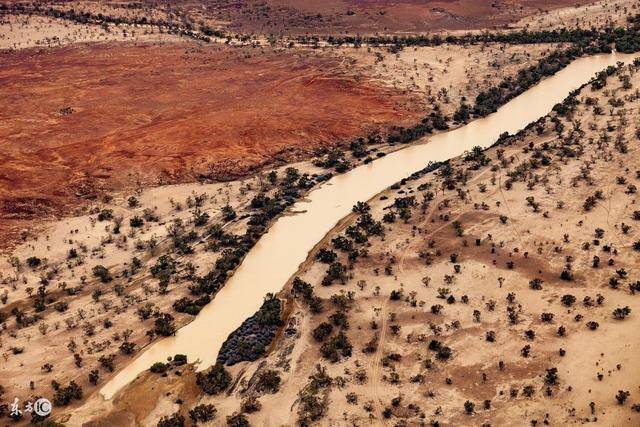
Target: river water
<point>279,253</point>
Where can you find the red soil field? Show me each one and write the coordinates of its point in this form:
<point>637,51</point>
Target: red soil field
<point>371,16</point>
<point>81,120</point>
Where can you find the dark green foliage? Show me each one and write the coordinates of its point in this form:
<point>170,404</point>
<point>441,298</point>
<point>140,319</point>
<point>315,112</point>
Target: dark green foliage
<point>202,413</point>
<point>191,306</point>
<point>568,300</point>
<point>237,420</point>
<point>136,221</point>
<point>105,215</point>
<point>64,395</point>
<point>251,339</point>
<point>164,325</point>
<point>337,347</point>
<point>159,368</point>
<point>34,262</point>
<point>102,273</point>
<point>164,266</point>
<point>336,271</point>
<point>326,256</point>
<point>322,331</point>
<point>174,420</point>
<point>215,380</point>
<point>268,381</point>
<point>621,312</point>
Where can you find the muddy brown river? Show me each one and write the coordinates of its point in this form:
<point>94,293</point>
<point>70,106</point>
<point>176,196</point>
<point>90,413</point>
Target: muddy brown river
<point>278,254</point>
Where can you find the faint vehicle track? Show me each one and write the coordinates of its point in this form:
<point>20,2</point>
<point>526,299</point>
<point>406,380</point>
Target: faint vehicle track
<point>375,374</point>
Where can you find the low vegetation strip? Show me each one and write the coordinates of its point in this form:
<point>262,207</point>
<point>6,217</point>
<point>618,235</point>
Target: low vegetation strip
<point>250,341</point>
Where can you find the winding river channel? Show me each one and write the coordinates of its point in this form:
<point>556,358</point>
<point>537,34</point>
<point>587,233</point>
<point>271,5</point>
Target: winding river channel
<point>279,253</point>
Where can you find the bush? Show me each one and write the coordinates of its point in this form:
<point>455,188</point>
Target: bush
<point>61,306</point>
<point>251,405</point>
<point>127,347</point>
<point>102,272</point>
<point>568,300</point>
<point>202,413</point>
<point>180,359</point>
<point>136,221</point>
<point>444,353</point>
<point>250,341</point>
<point>337,347</point>
<point>159,368</point>
<point>164,325</point>
<point>237,420</point>
<point>621,312</point>
<point>215,380</point>
<point>64,396</point>
<point>322,331</point>
<point>105,215</point>
<point>566,275</point>
<point>175,420</point>
<point>34,262</point>
<point>268,381</point>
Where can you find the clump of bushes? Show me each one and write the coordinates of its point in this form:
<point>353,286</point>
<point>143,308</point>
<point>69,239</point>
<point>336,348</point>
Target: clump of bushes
<point>64,395</point>
<point>337,347</point>
<point>251,339</point>
<point>215,380</point>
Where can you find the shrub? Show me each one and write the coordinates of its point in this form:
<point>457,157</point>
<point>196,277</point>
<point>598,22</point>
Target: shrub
<point>237,420</point>
<point>251,405</point>
<point>34,262</point>
<point>566,275</point>
<point>136,221</point>
<point>469,407</point>
<point>174,420</point>
<point>164,325</point>
<point>268,381</point>
<point>64,396</point>
<point>322,331</point>
<point>250,341</point>
<point>102,272</point>
<point>202,413</point>
<point>568,300</point>
<point>215,380</point>
<point>336,347</point>
<point>444,353</point>
<point>621,312</point>
<point>159,368</point>
<point>105,215</point>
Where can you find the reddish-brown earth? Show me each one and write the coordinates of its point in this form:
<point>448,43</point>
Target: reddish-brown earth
<point>79,120</point>
<point>368,16</point>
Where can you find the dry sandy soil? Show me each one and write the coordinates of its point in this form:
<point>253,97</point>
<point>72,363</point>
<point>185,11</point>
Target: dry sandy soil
<point>23,31</point>
<point>445,75</point>
<point>594,14</point>
<point>462,314</point>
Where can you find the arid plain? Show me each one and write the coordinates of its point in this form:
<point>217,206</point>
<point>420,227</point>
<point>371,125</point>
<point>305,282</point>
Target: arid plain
<point>148,147</point>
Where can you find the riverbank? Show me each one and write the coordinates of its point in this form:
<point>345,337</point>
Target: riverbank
<point>221,310</point>
<point>505,291</point>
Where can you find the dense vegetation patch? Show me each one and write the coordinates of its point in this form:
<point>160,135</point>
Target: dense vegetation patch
<point>251,339</point>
